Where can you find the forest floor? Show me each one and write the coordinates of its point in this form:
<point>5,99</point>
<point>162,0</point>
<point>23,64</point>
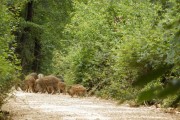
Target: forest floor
<point>36,106</point>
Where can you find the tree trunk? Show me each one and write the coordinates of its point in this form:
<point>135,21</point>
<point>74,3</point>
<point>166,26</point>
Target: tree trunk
<point>29,11</point>
<point>28,45</point>
<point>37,55</point>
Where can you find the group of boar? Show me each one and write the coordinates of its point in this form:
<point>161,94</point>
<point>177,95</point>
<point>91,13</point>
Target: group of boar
<point>50,84</point>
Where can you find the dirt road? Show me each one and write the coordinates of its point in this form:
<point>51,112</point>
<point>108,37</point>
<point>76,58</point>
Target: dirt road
<point>31,106</point>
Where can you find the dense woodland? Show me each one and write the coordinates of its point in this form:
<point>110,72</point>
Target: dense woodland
<point>128,50</point>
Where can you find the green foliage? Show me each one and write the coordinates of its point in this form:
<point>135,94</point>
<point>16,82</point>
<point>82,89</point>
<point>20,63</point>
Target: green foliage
<point>108,46</point>
<point>152,75</point>
<point>88,60</point>
<point>170,91</point>
<point>28,36</point>
<point>9,64</point>
<point>116,42</point>
<point>52,16</point>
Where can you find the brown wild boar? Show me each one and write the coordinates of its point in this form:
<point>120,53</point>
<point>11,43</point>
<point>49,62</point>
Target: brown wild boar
<point>30,82</point>
<point>35,75</point>
<point>47,83</point>
<point>40,86</point>
<point>62,87</point>
<point>77,89</point>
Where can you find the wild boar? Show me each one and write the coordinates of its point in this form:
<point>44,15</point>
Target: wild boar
<point>35,75</point>
<point>62,87</point>
<point>47,83</point>
<point>77,89</point>
<point>29,84</point>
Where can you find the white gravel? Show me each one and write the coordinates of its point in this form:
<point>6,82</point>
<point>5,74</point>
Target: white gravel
<point>35,106</point>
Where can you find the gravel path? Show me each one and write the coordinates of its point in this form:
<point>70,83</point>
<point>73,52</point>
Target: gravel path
<point>31,106</point>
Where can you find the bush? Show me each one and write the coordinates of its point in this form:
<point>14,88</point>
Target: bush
<point>9,64</point>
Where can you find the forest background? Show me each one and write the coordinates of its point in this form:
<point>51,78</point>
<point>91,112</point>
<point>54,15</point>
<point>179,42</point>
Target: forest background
<point>128,50</point>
